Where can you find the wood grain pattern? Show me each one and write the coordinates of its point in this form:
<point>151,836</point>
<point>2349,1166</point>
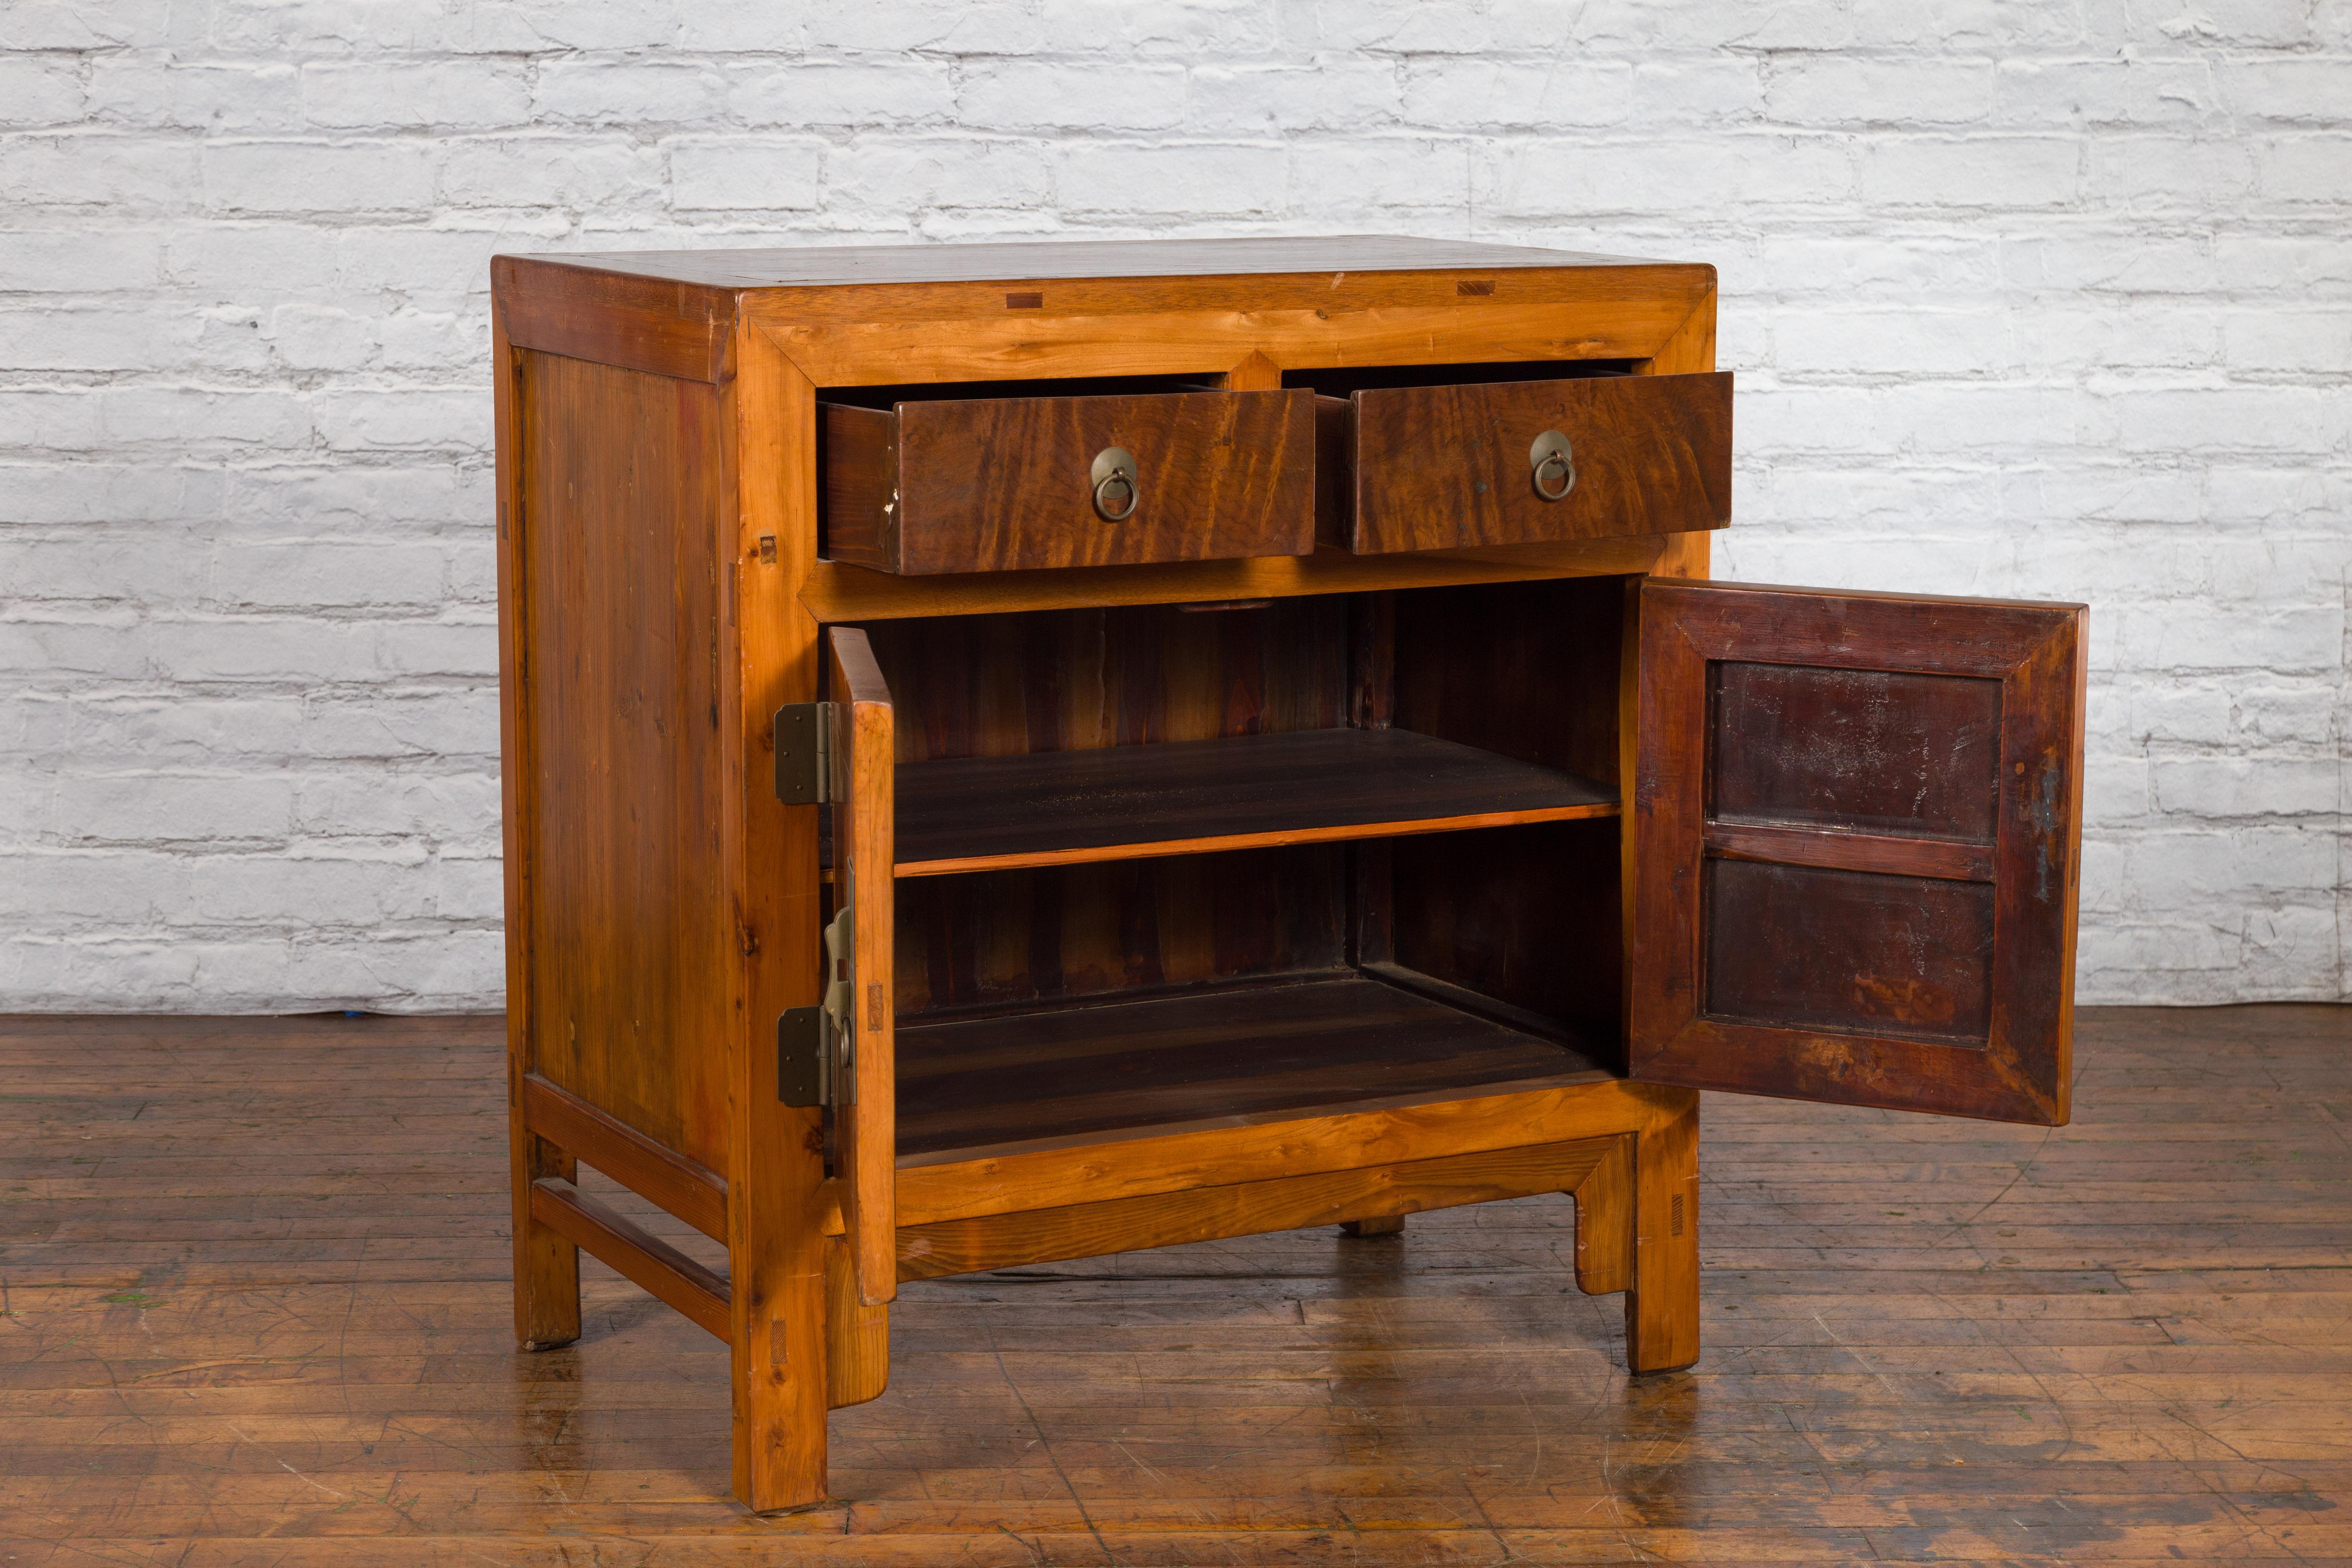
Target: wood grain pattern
<point>1850,851</point>
<point>1662,1308</point>
<point>1919,961</point>
<point>1446,468</point>
<point>857,1336</point>
<point>1017,939</point>
<point>254,1320</point>
<point>1809,948</point>
<point>1000,484</point>
<point>625,923</point>
<point>769,656</point>
<point>1626,309</point>
<point>1872,750</point>
<point>668,327</point>
<point>1528,916</point>
<point>1523,670</point>
<point>623,1245</point>
<point>1246,1208</point>
<point>1056,1172</point>
<point>1189,798</point>
<point>835,593</point>
<point>685,427</point>
<point>1175,327</point>
<point>864,817</point>
<point>876,266</point>
<point>1190,1057</point>
<point>694,1192</point>
<point>1604,1221</point>
<point>546,1265</point>
<point>994,685</point>
<point>858,468</point>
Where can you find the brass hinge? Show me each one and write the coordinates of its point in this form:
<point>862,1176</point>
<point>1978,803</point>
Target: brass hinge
<point>805,753</point>
<point>817,1048</point>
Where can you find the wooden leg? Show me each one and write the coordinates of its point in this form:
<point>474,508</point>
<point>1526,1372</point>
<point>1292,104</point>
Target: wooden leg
<point>546,1266</point>
<point>1662,1308</point>
<point>857,1336</point>
<point>776,1302</point>
<point>1392,1226</point>
<point>1605,1223</point>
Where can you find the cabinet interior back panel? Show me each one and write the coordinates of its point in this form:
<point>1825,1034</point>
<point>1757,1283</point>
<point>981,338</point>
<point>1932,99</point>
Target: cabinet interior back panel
<point>1061,933</point>
<point>1061,681</point>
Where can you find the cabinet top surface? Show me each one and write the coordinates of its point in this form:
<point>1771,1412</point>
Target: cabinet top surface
<point>836,266</point>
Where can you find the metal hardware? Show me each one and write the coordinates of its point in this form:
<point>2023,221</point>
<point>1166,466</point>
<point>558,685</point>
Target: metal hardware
<point>840,1012</point>
<point>1554,462</point>
<point>805,753</point>
<point>817,1048</point>
<point>803,1061</point>
<point>1114,478</point>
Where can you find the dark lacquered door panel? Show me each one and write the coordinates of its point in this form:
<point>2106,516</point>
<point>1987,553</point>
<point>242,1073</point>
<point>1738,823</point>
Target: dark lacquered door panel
<point>1857,832</point>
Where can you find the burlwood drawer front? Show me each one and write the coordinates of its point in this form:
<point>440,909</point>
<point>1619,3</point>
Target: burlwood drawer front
<point>1013,483</point>
<point>1443,468</point>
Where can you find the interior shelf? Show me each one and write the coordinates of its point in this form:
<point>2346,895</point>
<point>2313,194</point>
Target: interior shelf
<point>1242,1053</point>
<point>1048,809</point>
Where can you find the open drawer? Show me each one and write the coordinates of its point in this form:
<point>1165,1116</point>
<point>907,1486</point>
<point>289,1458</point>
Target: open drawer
<point>1477,462</point>
<point>933,484</point>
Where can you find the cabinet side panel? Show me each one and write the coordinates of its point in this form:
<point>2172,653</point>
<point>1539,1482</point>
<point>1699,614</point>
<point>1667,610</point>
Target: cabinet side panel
<point>626,945</point>
<point>1528,916</point>
<point>1525,915</point>
<point>1523,670</point>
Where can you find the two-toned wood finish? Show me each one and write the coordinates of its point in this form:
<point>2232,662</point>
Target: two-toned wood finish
<point>1197,885</point>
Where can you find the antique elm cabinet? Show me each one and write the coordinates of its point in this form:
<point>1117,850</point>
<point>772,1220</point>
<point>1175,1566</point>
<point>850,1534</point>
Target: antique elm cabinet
<point>1020,752</point>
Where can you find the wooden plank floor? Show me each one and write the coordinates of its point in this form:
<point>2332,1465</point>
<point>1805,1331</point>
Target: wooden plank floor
<point>254,1276</point>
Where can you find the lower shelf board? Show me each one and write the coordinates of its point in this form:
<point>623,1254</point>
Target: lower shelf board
<point>1247,1054</point>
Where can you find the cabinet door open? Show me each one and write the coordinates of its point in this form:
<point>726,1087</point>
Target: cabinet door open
<point>1857,825</point>
<point>857,994</point>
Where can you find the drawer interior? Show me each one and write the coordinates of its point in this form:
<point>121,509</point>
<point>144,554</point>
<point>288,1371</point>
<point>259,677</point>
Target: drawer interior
<point>1160,863</point>
<point>1344,381</point>
<point>890,396</point>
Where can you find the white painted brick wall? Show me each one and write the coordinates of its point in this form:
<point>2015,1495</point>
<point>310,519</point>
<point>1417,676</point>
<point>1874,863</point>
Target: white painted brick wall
<point>2045,300</point>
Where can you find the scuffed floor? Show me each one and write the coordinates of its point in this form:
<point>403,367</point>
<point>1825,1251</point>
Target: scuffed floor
<point>254,1283</point>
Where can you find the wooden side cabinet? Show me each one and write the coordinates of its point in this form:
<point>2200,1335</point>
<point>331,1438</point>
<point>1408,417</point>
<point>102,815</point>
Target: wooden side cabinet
<point>1021,751</point>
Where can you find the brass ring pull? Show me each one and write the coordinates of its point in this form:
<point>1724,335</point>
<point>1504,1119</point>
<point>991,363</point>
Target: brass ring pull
<point>1116,493</point>
<point>1554,462</point>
